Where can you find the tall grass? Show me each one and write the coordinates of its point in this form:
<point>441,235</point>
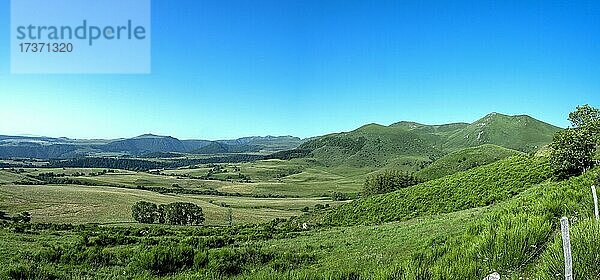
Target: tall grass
<point>585,246</point>
<point>515,234</point>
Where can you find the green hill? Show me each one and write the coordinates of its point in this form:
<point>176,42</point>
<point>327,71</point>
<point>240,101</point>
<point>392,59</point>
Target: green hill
<point>372,145</point>
<point>411,146</point>
<point>481,186</point>
<point>521,132</point>
<point>465,159</point>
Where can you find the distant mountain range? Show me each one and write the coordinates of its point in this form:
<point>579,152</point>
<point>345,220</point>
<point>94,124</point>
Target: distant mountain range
<point>410,145</point>
<point>147,144</point>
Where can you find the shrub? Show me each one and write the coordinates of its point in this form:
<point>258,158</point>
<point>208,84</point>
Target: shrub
<point>228,262</point>
<point>163,260</point>
<point>30,271</point>
<point>177,213</point>
<point>182,213</point>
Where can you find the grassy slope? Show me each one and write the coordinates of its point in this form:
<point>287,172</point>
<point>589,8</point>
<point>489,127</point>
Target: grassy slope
<point>518,238</point>
<point>477,187</point>
<point>8,177</point>
<point>367,247</point>
<point>513,236</point>
<point>465,159</point>
<point>371,146</point>
<point>522,133</point>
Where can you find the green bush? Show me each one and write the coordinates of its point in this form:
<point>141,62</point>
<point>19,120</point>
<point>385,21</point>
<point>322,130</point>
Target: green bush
<point>166,259</point>
<point>26,271</point>
<point>176,213</point>
<point>228,262</point>
<point>338,196</point>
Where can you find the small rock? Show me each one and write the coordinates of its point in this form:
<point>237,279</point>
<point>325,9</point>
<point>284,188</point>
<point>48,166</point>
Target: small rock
<point>493,276</point>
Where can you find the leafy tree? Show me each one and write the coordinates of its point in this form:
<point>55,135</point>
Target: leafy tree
<point>183,213</point>
<point>388,181</point>
<point>145,212</point>
<point>574,149</point>
<point>585,116</point>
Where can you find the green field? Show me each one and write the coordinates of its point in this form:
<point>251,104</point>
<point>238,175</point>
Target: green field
<point>110,205</point>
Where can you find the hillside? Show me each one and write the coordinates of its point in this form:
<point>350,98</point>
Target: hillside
<point>372,146</point>
<point>521,132</point>
<point>411,146</point>
<point>481,186</point>
<point>147,143</point>
<point>465,159</point>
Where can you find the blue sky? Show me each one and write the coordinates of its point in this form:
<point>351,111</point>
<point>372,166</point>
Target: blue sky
<point>226,69</point>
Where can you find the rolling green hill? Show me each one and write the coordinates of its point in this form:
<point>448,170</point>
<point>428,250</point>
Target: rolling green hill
<point>411,146</point>
<point>371,145</point>
<point>465,159</point>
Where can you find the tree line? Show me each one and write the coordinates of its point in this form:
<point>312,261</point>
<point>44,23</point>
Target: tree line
<point>389,181</point>
<point>23,217</point>
<point>176,213</point>
<point>144,165</point>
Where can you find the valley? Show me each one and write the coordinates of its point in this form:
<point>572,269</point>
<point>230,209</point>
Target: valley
<point>486,201</point>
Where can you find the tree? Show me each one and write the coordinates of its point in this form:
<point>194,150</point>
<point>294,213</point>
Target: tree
<point>573,150</point>
<point>388,181</point>
<point>145,212</point>
<point>176,213</point>
<point>182,213</point>
<point>229,216</point>
<point>584,116</point>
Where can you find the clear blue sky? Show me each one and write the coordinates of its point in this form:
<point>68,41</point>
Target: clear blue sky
<point>225,69</point>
